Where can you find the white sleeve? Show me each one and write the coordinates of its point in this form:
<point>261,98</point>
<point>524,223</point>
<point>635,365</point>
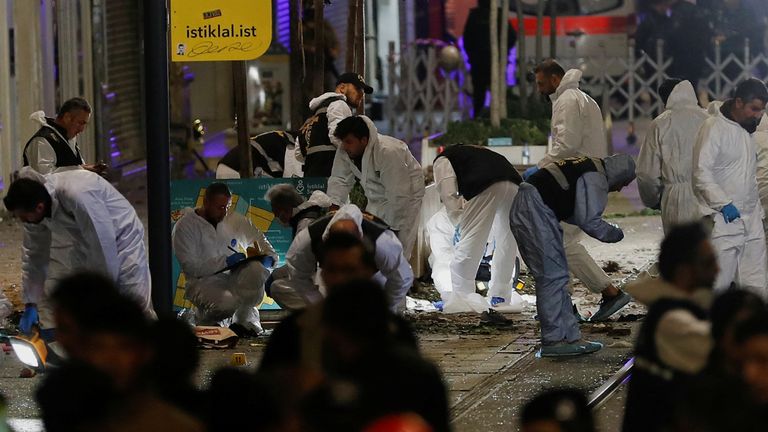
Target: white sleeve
<point>649,169</point>
<point>36,252</point>
<point>97,229</point>
<point>705,156</point>
<point>302,266</point>
<point>393,266</point>
<point>401,177</point>
<point>567,130</point>
<point>448,187</point>
<point>683,341</point>
<point>341,180</point>
<point>41,156</point>
<point>336,112</point>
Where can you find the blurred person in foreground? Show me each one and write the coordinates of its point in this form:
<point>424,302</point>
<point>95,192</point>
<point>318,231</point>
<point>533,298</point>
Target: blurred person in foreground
<point>226,261</point>
<point>674,341</point>
<point>559,410</point>
<point>111,352</point>
<point>369,373</point>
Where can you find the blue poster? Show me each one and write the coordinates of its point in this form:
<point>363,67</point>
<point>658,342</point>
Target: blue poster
<point>248,200</point>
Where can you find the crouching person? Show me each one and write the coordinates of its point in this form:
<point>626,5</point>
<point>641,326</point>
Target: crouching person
<point>206,241</point>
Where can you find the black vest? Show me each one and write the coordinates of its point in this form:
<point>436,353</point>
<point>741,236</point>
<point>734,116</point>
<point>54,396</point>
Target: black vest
<point>371,231</point>
<point>315,144</point>
<point>273,144</point>
<point>314,212</point>
<point>477,168</point>
<point>654,387</point>
<point>64,155</point>
<point>561,197</point>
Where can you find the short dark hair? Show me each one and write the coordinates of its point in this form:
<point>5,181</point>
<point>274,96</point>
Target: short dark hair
<point>751,89</point>
<point>550,67</point>
<point>74,104</point>
<point>341,241</point>
<point>359,309</point>
<point>756,325</point>
<point>732,307</point>
<point>217,188</point>
<point>679,247</point>
<point>25,194</point>
<point>354,125</point>
<point>666,87</point>
<point>567,407</point>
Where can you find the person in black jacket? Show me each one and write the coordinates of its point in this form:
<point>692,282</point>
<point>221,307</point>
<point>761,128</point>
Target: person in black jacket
<point>477,44</point>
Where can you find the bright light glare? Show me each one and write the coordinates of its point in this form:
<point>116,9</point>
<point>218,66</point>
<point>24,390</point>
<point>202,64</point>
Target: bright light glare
<point>25,353</point>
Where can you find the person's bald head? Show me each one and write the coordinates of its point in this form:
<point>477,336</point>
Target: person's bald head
<point>346,226</point>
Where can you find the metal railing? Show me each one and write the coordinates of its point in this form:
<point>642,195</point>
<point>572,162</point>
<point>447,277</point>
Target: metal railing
<point>424,98</point>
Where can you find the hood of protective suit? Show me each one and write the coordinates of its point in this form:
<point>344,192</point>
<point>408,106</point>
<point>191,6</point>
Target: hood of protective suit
<point>40,118</point>
<point>372,130</point>
<point>714,107</point>
<point>649,290</point>
<point>347,212</point>
<point>619,169</point>
<point>763,126</point>
<point>682,95</point>
<point>570,81</point>
<point>316,102</point>
<point>318,198</point>
<point>28,173</point>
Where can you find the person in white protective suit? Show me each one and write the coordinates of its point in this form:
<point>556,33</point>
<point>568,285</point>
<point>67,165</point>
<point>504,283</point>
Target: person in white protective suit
<point>575,190</point>
<point>210,239</point>
<point>577,130</point>
<point>725,183</point>
<point>53,148</point>
<point>389,174</point>
<point>665,163</point>
<point>761,141</point>
<point>292,210</point>
<point>477,186</point>
<point>394,273</point>
<point>109,236</point>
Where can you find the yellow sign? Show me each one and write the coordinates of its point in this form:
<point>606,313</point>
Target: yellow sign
<point>221,30</point>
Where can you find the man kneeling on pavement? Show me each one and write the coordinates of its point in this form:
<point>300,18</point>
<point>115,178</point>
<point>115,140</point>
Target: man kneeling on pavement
<point>226,261</point>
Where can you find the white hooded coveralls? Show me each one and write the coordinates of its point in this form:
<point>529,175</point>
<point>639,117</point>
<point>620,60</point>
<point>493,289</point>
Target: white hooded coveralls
<point>665,163</point>
<point>394,274</point>
<point>202,250</point>
<point>392,180</point>
<point>110,236</point>
<point>577,130</point>
<point>761,141</point>
<point>724,172</point>
<point>336,112</point>
<point>482,217</point>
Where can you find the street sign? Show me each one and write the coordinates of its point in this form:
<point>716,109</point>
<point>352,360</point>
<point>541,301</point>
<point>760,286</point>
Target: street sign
<point>224,30</point>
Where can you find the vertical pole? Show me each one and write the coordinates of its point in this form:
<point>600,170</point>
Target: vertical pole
<point>503,59</point>
<point>297,101</point>
<point>522,81</point>
<point>241,110</point>
<point>318,71</point>
<point>539,31</point>
<point>360,48</point>
<point>552,30</point>
<point>494,38</point>
<point>349,63</point>
<point>155,45</point>
<point>7,161</point>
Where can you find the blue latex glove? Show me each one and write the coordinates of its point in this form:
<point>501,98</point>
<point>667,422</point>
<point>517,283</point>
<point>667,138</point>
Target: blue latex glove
<point>730,213</point>
<point>268,261</point>
<point>235,258</point>
<point>456,235</point>
<point>28,319</point>
<point>529,172</point>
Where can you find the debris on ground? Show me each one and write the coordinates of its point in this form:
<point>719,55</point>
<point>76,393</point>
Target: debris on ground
<point>487,323</point>
<point>424,290</point>
<point>611,267</point>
